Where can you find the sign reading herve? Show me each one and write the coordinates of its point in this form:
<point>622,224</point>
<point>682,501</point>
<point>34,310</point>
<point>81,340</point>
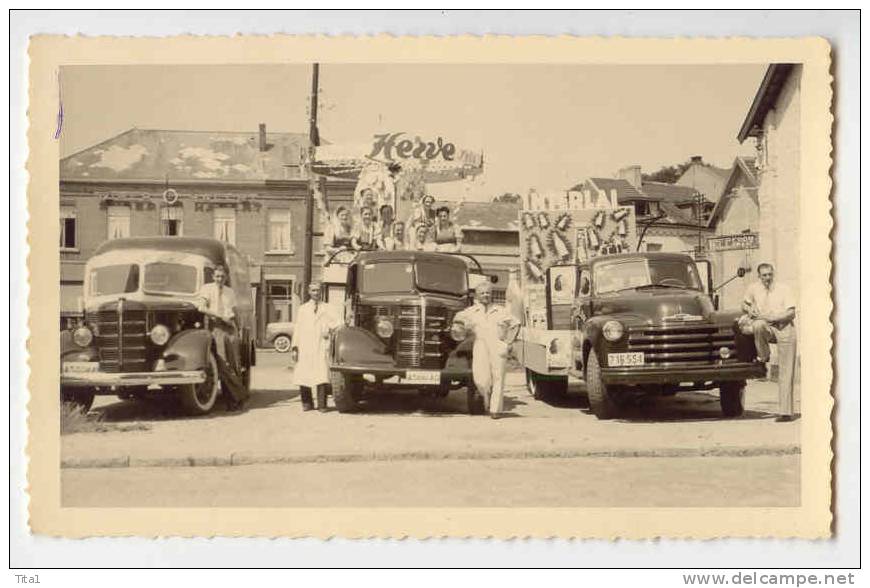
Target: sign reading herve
<point>337,310</point>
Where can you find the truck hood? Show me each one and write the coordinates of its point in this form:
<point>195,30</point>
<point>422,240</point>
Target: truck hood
<point>432,299</point>
<point>655,306</point>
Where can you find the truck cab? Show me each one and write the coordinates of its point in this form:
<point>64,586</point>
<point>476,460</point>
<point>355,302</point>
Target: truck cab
<point>398,333</point>
<point>644,323</point>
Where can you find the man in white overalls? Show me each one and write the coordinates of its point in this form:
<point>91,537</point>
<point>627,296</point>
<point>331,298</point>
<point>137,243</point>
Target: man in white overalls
<point>310,347</point>
<point>491,324</point>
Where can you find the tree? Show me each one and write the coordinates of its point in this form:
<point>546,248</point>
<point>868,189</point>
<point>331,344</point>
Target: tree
<point>671,173</point>
<point>508,197</point>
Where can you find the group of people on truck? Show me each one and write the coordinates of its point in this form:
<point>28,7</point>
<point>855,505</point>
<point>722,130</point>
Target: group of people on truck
<point>370,223</point>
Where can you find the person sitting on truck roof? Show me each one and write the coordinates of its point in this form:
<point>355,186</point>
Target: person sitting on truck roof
<point>420,240</point>
<point>447,234</point>
<point>338,231</point>
<point>365,235</point>
<point>395,239</point>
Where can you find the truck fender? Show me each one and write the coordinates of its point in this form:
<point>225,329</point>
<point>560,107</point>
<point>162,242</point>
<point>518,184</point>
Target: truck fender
<point>460,357</point>
<point>76,353</point>
<point>357,346</point>
<point>188,350</point>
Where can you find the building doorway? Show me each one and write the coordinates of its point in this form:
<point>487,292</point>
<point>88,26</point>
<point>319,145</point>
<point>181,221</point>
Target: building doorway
<point>279,301</point>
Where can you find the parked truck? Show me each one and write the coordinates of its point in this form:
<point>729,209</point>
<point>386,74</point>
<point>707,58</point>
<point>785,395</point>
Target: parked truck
<point>625,323</point>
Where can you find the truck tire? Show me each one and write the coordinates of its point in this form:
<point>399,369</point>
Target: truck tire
<point>601,400</point>
<point>546,387</point>
<point>199,399</point>
<point>475,404</point>
<point>345,390</point>
<point>731,398</point>
<point>81,398</point>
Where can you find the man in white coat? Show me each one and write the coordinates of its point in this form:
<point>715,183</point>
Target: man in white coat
<point>492,325</point>
<point>310,347</point>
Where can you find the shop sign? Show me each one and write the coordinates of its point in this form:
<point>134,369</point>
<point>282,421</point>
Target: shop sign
<point>733,242</point>
<point>396,146</point>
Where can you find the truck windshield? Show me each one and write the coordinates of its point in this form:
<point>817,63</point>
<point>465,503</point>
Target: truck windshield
<point>440,277</point>
<point>165,277</point>
<point>378,278</point>
<point>643,273</point>
<point>114,279</point>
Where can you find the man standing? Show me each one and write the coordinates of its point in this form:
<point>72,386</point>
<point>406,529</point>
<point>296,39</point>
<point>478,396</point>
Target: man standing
<point>771,308</point>
<point>492,326</point>
<point>310,347</point>
<point>219,303</point>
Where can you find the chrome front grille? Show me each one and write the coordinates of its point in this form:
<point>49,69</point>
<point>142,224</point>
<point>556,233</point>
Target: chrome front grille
<point>121,333</point>
<point>690,345</point>
<point>409,337</point>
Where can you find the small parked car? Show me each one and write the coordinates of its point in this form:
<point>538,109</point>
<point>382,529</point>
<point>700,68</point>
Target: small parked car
<point>143,332</point>
<point>279,336</point>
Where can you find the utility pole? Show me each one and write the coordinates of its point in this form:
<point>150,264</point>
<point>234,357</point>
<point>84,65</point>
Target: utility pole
<point>313,143</point>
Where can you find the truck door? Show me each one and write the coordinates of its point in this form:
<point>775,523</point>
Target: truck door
<point>561,289</point>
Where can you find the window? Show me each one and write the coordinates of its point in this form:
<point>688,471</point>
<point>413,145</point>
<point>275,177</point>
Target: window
<point>225,225</point>
<point>641,208</point>
<point>279,231</point>
<point>119,222</point>
<point>114,279</point>
<point>171,218</point>
<point>653,246</point>
<point>166,277</point>
<point>67,227</point>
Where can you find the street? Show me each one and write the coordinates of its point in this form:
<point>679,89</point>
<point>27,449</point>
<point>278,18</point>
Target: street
<point>679,450</point>
<point>589,482</point>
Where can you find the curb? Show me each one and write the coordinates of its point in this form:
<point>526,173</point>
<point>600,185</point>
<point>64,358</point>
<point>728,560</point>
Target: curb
<point>242,458</point>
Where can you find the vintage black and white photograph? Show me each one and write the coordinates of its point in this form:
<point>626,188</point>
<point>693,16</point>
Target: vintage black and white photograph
<point>375,285</point>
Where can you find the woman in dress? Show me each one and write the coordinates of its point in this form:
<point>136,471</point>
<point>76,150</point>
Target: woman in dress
<point>365,235</point>
<point>447,235</point>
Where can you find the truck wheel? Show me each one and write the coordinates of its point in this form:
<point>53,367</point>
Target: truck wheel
<point>281,343</point>
<point>731,398</point>
<point>474,402</point>
<point>345,390</point>
<point>199,399</point>
<point>601,400</point>
<point>545,388</point>
<point>81,398</point>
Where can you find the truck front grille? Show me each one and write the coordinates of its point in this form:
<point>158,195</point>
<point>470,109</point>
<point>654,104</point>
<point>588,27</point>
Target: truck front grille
<point>121,333</point>
<point>409,337</point>
<point>685,345</point>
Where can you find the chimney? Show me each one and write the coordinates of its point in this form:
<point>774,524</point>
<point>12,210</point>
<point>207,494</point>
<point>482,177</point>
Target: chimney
<point>697,159</point>
<point>632,175</point>
<point>263,146</point>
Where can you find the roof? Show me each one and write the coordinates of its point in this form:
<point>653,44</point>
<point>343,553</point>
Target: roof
<point>625,192</point>
<point>486,216</point>
<point>209,248</point>
<point>141,154</point>
<point>668,256</point>
<point>744,166</point>
<point>672,193</point>
<point>765,99</point>
<point>410,256</point>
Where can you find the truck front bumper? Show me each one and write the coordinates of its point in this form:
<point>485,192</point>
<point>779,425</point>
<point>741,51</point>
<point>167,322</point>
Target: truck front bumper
<point>124,379</point>
<point>447,377</point>
<point>674,374</point>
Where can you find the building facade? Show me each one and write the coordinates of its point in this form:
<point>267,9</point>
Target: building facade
<point>243,188</point>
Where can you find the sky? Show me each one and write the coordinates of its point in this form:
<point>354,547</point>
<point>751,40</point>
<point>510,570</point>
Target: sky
<point>539,126</point>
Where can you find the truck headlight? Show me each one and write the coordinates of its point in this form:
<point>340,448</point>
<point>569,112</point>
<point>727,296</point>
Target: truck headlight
<point>458,332</point>
<point>83,336</point>
<point>159,335</point>
<point>613,330</point>
<point>384,328</point>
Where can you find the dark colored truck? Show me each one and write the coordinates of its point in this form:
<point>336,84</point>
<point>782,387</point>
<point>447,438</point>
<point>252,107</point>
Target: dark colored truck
<point>142,331</point>
<point>642,323</point>
<point>399,333</point>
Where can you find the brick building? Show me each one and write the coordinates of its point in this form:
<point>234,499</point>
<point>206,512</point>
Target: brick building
<point>244,188</point>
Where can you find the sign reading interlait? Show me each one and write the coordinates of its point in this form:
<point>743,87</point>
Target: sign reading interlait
<point>733,242</point>
<point>440,160</point>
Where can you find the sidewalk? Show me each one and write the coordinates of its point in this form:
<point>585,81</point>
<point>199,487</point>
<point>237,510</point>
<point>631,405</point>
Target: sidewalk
<point>275,430</point>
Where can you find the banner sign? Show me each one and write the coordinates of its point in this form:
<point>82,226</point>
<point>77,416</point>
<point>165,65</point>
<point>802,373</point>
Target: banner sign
<point>733,242</point>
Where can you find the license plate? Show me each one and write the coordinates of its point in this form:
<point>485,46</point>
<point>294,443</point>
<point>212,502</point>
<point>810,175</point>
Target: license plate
<point>80,367</point>
<point>427,378</point>
<point>624,359</point>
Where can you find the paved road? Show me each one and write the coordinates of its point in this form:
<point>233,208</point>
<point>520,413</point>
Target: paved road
<point>591,482</point>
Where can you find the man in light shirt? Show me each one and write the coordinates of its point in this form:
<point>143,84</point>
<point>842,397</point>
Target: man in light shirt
<point>494,328</point>
<point>771,308</point>
<point>219,302</point>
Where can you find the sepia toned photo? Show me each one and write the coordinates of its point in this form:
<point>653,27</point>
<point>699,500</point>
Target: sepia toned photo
<point>581,297</point>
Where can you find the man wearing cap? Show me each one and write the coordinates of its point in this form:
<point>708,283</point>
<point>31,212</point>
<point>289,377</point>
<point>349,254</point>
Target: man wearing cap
<point>771,308</point>
<point>492,326</point>
<point>310,348</point>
